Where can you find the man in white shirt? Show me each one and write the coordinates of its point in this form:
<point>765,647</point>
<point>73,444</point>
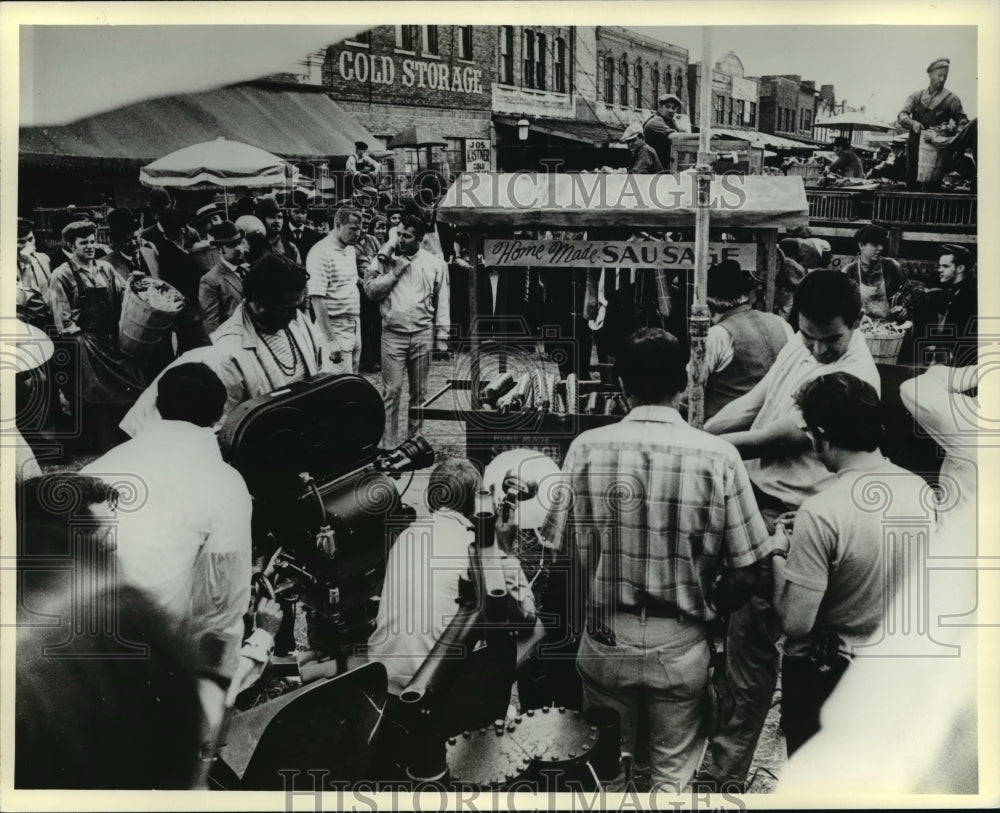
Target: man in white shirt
<point>186,542</point>
<point>333,288</point>
<point>412,289</point>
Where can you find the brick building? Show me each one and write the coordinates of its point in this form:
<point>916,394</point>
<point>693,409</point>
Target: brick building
<point>436,76</point>
<point>787,106</point>
<point>734,95</point>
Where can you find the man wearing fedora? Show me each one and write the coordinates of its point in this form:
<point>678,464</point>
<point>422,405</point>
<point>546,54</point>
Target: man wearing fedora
<point>742,343</point>
<point>657,128</point>
<point>127,255</point>
<point>221,289</point>
<point>273,218</point>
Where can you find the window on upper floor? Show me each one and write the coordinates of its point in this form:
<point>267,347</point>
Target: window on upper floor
<point>507,55</point>
<point>638,86</point>
<point>679,87</point>
<point>465,42</point>
<point>753,114</point>
<point>559,66</point>
<point>404,37</point>
<point>655,80</point>
<point>540,67</point>
<point>741,111</point>
<point>609,80</point>
<point>431,40</point>
<point>528,54</point>
<point>719,108</point>
<point>623,79</point>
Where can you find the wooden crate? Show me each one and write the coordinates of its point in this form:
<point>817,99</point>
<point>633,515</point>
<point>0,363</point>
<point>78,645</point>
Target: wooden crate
<point>833,204</point>
<point>924,209</point>
<point>808,172</point>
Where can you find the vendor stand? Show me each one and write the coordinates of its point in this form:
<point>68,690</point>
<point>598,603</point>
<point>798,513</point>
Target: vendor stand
<point>746,213</point>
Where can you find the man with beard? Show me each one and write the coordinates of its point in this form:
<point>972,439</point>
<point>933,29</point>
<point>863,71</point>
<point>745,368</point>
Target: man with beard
<point>273,219</point>
<point>333,266</point>
<point>221,289</point>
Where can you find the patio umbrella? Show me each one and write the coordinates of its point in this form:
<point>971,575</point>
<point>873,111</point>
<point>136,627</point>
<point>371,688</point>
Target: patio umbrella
<point>215,163</point>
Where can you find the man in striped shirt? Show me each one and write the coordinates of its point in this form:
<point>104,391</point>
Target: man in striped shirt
<point>655,511</point>
<point>333,266</point>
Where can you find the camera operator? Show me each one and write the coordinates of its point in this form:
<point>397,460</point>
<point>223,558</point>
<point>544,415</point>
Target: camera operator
<point>421,591</point>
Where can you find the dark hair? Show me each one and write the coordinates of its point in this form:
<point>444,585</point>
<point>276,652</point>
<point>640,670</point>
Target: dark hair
<point>271,276</point>
<point>875,235</point>
<point>453,484</point>
<point>822,296</point>
<point>76,229</point>
<point>46,505</point>
<point>190,392</point>
<point>416,223</point>
<point>651,364</point>
<point>845,409</point>
<point>117,708</point>
<point>960,254</point>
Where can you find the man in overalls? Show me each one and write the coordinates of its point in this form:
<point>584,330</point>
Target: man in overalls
<point>85,297</point>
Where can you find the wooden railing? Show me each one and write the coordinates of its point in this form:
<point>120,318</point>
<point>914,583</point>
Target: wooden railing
<point>924,209</point>
<point>833,204</point>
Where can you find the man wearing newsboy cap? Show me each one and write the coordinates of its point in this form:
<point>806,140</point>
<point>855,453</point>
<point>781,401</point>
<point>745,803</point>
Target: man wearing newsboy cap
<point>657,128</point>
<point>936,108</point>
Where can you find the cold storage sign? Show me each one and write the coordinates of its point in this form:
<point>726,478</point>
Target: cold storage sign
<point>611,254</point>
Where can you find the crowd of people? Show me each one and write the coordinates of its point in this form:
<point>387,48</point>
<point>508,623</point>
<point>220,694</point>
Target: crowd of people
<point>746,537</point>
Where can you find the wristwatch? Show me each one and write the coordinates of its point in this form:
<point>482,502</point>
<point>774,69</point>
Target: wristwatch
<point>783,553</point>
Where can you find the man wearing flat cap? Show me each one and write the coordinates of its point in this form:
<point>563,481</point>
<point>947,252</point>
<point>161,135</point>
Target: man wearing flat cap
<point>657,128</point>
<point>221,289</point>
<point>742,343</point>
<point>938,109</point>
<point>644,158</point>
<point>361,161</point>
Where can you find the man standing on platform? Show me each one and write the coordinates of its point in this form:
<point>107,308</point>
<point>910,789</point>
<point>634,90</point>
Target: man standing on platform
<point>658,127</point>
<point>333,288</point>
<point>411,286</point>
<point>644,158</point>
<point>936,108</point>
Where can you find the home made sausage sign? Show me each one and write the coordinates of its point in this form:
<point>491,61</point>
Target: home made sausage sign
<point>513,253</point>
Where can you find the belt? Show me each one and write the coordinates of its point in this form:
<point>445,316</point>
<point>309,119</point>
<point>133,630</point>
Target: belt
<point>654,609</point>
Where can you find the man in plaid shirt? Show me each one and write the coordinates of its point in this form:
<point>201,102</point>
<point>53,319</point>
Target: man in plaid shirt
<point>656,511</point>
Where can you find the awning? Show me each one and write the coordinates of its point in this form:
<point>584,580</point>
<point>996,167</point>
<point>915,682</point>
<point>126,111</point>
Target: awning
<point>589,199</point>
<point>290,122</point>
<point>594,134</point>
<point>759,139</point>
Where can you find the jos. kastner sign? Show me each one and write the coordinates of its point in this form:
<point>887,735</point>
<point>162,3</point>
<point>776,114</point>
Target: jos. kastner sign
<point>611,254</point>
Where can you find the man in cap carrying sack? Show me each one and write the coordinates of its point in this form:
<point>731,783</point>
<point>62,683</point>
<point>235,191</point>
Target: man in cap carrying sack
<point>85,297</point>
<point>221,289</point>
<point>644,158</point>
<point>939,109</point>
<point>657,128</point>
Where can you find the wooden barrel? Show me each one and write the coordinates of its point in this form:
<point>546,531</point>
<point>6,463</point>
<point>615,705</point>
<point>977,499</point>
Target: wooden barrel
<point>143,325</point>
<point>930,163</point>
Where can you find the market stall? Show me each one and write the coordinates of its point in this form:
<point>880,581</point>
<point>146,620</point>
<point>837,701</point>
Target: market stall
<point>545,411</point>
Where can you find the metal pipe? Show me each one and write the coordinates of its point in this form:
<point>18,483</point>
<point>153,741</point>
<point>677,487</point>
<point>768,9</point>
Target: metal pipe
<point>699,320</point>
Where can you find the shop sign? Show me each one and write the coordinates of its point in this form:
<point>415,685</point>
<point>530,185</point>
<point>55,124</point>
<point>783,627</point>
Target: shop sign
<point>356,66</point>
<point>513,253</point>
<point>477,155</point>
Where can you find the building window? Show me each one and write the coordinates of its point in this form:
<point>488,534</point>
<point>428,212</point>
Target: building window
<point>559,78</point>
<point>529,59</point>
<point>806,120</point>
<point>540,64</point>
<point>638,86</point>
<point>720,108</point>
<point>679,89</point>
<point>609,80</point>
<point>753,114</point>
<point>623,79</point>
<point>453,157</point>
<point>668,82</point>
<point>404,37</point>
<point>465,42</point>
<point>431,40</point>
<point>741,111</point>
<point>507,55</point>
<point>655,93</point>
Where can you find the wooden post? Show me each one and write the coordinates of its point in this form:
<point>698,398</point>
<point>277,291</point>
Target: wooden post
<point>700,317</point>
<point>767,265</point>
<point>474,245</point>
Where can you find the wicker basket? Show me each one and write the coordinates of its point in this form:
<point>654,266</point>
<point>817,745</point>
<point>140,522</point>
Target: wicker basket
<point>885,349</point>
<point>142,326</point>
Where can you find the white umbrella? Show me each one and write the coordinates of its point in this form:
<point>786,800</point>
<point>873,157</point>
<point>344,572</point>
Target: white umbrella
<point>852,121</point>
<point>213,164</point>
